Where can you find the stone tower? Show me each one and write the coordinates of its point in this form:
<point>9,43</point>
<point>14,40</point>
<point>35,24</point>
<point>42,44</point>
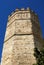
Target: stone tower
<point>23,34</point>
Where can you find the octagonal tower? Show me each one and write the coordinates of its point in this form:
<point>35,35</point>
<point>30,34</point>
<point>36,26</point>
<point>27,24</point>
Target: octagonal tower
<point>23,34</point>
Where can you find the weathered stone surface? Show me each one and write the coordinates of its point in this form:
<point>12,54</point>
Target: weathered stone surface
<point>10,31</point>
<point>23,51</point>
<point>22,36</point>
<point>7,52</point>
<point>19,27</point>
<point>23,27</point>
<point>19,50</point>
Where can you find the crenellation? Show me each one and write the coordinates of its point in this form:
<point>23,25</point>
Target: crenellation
<point>16,10</point>
<point>28,8</point>
<point>19,10</point>
<point>22,9</point>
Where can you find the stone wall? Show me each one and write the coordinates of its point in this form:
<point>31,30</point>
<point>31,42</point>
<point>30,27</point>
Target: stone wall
<point>23,34</point>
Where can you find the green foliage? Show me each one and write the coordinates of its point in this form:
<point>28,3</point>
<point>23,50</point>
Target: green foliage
<point>39,56</point>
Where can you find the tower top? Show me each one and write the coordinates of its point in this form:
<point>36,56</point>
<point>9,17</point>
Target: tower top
<point>20,10</point>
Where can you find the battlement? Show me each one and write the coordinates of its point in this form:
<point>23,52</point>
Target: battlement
<point>21,10</point>
<point>17,11</point>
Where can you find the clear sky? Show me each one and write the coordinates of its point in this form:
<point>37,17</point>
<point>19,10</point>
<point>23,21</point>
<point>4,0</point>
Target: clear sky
<point>7,6</point>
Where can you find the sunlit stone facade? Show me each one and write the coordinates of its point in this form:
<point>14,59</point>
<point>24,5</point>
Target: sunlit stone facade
<point>23,34</point>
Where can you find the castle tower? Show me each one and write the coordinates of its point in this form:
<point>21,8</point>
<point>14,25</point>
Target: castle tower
<point>22,36</point>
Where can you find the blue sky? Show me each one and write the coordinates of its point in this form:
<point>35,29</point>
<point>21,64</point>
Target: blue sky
<point>7,6</point>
